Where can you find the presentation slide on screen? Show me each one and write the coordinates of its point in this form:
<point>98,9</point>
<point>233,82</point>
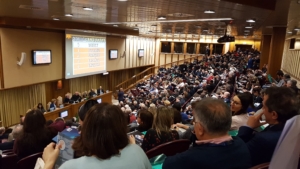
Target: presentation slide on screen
<point>42,57</point>
<point>85,55</point>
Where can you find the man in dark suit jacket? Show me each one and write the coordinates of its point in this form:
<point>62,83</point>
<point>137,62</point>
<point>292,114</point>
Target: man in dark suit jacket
<point>214,148</point>
<point>100,90</point>
<point>279,105</point>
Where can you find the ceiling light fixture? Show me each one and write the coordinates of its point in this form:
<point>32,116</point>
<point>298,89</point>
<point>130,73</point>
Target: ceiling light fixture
<point>136,29</point>
<point>250,20</point>
<point>205,30</point>
<point>122,0</point>
<point>69,15</point>
<point>247,31</point>
<point>56,19</point>
<point>115,25</point>
<point>87,8</point>
<point>289,32</point>
<point>248,27</point>
<point>161,17</point>
<point>209,11</point>
<point>296,29</point>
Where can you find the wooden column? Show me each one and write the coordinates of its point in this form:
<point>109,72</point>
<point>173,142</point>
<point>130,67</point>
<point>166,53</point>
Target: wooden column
<point>276,50</point>
<point>211,47</point>
<point>265,50</point>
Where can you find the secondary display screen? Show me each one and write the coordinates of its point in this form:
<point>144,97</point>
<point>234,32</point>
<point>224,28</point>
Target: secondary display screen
<point>41,57</point>
<point>113,54</point>
<point>85,55</point>
<point>63,114</point>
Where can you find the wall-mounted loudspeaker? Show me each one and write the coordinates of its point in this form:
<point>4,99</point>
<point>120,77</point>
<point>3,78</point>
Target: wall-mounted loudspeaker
<point>124,54</point>
<point>23,58</point>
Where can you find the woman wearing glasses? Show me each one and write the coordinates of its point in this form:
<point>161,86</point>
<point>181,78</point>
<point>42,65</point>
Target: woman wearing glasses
<point>239,105</point>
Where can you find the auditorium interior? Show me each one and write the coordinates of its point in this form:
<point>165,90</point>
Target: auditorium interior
<point>139,38</point>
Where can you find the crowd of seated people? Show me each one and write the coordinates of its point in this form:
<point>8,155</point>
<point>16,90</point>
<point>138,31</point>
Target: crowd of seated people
<point>201,101</point>
<point>71,98</point>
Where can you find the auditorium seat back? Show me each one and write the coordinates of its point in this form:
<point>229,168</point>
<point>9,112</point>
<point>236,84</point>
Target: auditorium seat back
<point>29,161</point>
<point>169,148</point>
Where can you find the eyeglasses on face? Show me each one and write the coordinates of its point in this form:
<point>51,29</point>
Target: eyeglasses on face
<point>235,102</point>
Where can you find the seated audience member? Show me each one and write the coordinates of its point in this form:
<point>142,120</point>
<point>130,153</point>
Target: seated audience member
<point>15,134</point>
<point>53,104</point>
<point>131,116</point>
<point>226,97</point>
<point>41,107</point>
<point>59,101</point>
<point>76,97</point>
<point>293,85</point>
<point>280,77</point>
<point>92,93</point>
<point>279,105</point>
<point>239,106</point>
<point>67,98</point>
<point>100,90</point>
<point>184,116</point>
<point>103,143</point>
<point>214,148</point>
<point>144,120</point>
<point>177,118</point>
<point>257,99</point>
<point>161,129</point>
<point>84,109</point>
<point>35,136</point>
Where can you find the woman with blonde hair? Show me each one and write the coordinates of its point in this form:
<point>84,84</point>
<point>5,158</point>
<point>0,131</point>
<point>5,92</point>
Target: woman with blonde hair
<point>161,131</point>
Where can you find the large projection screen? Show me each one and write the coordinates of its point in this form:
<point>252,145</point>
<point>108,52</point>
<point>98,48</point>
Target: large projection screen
<point>85,55</point>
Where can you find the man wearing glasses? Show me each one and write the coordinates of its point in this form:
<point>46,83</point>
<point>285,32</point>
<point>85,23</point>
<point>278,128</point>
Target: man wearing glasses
<point>214,148</point>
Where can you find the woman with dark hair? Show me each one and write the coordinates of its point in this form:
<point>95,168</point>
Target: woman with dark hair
<point>84,109</point>
<point>36,135</point>
<point>103,143</point>
<point>41,107</point>
<point>239,105</point>
<point>161,131</point>
<point>144,119</point>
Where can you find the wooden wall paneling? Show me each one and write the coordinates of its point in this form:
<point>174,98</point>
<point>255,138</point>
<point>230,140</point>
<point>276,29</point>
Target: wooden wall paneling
<point>121,53</point>
<point>49,91</point>
<point>151,51</point>
<point>172,47</point>
<point>139,47</point>
<point>197,48</point>
<point>171,58</point>
<point>298,66</point>
<point>135,52</point>
<point>131,51</point>
<point>264,57</point>
<point>276,51</point>
<point>165,62</point>
<point>185,47</point>
<point>143,46</point>
<point>1,67</point>
<point>147,45</point>
<point>16,41</point>
<point>177,59</point>
<point>128,52</point>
